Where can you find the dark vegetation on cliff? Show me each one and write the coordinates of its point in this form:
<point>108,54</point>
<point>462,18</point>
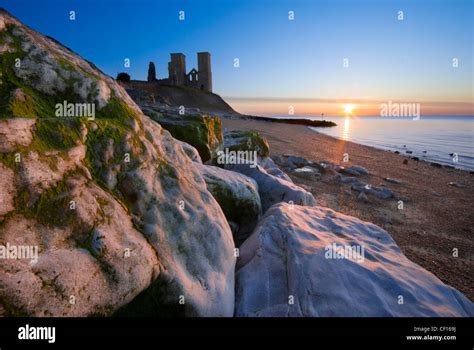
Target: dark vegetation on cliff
<point>167,95</point>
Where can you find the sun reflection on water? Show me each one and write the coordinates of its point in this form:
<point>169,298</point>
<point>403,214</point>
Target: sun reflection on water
<point>345,131</point>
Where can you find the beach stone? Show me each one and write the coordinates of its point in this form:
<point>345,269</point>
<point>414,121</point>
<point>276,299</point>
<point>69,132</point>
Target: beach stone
<point>382,192</point>
<point>238,197</point>
<point>379,192</point>
<point>343,170</point>
<point>308,173</point>
<point>296,251</point>
<point>354,170</point>
<point>281,160</point>
<point>360,169</point>
<point>272,189</point>
<point>297,162</point>
<point>392,180</point>
<point>334,179</point>
<point>349,179</point>
<point>328,171</point>
<point>325,166</point>
<point>362,197</point>
<point>279,173</point>
<point>456,184</point>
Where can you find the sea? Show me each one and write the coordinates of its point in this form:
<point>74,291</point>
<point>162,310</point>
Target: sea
<point>447,140</point>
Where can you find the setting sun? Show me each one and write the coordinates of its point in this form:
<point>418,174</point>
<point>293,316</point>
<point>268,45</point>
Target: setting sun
<point>348,109</point>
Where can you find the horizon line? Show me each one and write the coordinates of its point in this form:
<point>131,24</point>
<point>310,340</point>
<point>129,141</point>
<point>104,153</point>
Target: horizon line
<point>345,100</point>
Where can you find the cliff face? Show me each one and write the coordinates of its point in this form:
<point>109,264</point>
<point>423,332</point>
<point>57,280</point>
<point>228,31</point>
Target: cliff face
<point>112,204</point>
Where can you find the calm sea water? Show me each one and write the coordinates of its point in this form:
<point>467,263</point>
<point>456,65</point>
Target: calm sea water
<point>430,138</point>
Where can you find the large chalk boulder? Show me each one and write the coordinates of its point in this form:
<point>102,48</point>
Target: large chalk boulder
<point>106,212</point>
<point>306,262</point>
<point>273,189</point>
<point>238,197</point>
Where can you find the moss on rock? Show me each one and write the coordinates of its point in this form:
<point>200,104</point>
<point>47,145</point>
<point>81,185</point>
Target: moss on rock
<point>55,134</point>
<point>51,207</point>
<point>201,131</point>
<point>8,159</point>
<point>246,141</point>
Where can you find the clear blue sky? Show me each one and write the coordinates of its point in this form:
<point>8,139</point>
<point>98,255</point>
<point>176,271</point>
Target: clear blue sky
<point>281,59</point>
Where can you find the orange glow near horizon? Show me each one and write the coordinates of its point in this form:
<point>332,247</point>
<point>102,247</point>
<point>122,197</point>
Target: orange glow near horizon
<point>337,108</point>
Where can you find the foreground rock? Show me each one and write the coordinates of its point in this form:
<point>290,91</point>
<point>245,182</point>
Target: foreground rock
<point>279,173</point>
<point>236,140</point>
<point>273,189</point>
<point>204,132</point>
<point>266,163</point>
<point>191,152</point>
<point>114,207</point>
<point>238,197</point>
<point>291,267</point>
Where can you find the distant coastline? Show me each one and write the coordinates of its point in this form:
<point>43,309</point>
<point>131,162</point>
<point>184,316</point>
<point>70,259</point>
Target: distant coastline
<point>295,121</point>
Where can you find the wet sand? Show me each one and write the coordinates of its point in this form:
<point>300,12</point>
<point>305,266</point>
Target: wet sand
<point>436,218</point>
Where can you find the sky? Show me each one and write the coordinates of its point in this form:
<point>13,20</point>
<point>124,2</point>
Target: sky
<point>284,64</point>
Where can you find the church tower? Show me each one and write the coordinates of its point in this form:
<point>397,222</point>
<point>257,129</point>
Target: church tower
<point>151,72</point>
<point>177,69</point>
<point>204,71</point>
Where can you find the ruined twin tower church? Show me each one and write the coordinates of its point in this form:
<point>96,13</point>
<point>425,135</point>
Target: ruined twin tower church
<point>199,79</point>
